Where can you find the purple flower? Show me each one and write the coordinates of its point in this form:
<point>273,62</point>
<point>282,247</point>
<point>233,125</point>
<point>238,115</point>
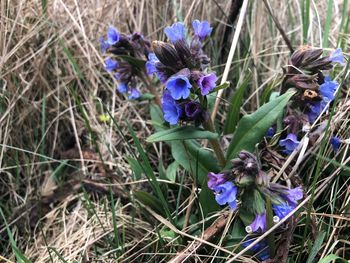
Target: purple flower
<point>335,142</point>
<point>179,86</point>
<point>270,132</point>
<point>258,223</point>
<point>122,87</point>
<point>110,64</point>
<point>260,248</point>
<point>328,88</point>
<point>215,180</point>
<point>175,32</point>
<point>290,143</point>
<point>172,111</point>
<point>294,195</point>
<point>201,29</point>
<point>112,36</point>
<point>281,210</point>
<point>207,83</point>
<point>151,64</point>
<point>337,56</point>
<point>104,45</point>
<point>134,94</point>
<point>226,194</point>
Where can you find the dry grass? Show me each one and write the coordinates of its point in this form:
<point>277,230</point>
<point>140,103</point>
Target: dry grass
<point>51,68</point>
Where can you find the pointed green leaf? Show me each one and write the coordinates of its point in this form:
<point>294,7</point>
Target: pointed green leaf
<point>135,62</point>
<point>235,107</point>
<point>252,128</point>
<point>196,160</point>
<point>181,133</point>
<point>224,85</point>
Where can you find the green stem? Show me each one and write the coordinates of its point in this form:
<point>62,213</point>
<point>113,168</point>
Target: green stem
<point>208,125</point>
<point>151,88</point>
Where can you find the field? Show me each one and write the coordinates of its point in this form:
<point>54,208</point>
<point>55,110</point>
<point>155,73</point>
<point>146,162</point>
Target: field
<point>89,175</point>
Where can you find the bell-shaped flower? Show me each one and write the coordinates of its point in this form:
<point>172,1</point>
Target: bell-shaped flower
<point>337,56</point>
<point>201,29</point>
<point>226,193</point>
<point>207,83</point>
<point>172,111</point>
<point>179,86</point>
<point>290,143</point>
<point>215,180</point>
<point>175,32</point>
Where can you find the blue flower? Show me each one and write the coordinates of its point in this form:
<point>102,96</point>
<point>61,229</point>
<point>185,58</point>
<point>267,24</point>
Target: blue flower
<point>151,64</point>
<point>134,94</point>
<point>290,143</point>
<point>215,180</point>
<point>110,64</point>
<point>104,45</point>
<point>175,32</point>
<point>281,210</point>
<point>260,248</point>
<point>201,29</point>
<point>337,56</point>
<point>207,83</point>
<point>335,142</point>
<point>226,194</point>
<point>294,195</point>
<point>112,36</point>
<point>258,223</point>
<point>270,132</point>
<point>122,87</point>
<point>172,111</point>
<point>328,88</point>
<point>179,87</point>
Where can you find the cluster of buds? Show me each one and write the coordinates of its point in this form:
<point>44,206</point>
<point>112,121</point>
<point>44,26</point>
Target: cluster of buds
<point>127,53</point>
<point>181,66</point>
<point>248,183</point>
<point>306,73</point>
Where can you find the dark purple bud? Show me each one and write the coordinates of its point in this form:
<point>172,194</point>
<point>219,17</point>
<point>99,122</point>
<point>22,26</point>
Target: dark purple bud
<point>193,109</point>
<point>184,52</point>
<point>167,54</point>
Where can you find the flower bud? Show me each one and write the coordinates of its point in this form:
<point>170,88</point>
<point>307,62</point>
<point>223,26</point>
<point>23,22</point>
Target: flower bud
<point>166,54</point>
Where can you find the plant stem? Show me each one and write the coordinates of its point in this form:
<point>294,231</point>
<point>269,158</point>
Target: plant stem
<point>151,88</point>
<point>208,125</point>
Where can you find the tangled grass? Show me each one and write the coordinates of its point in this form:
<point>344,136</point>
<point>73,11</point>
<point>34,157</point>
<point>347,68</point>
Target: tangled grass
<point>66,184</point>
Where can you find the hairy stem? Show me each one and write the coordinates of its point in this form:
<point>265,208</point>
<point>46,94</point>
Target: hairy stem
<point>151,89</point>
<point>208,125</point>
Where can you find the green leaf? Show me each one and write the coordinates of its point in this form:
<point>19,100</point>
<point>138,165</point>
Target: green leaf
<point>332,257</point>
<point>135,62</point>
<point>224,85</point>
<point>252,128</point>
<point>157,118</point>
<point>181,133</point>
<point>316,247</point>
<point>207,200</point>
<point>235,106</point>
<point>196,160</point>
<point>146,96</point>
<point>149,200</point>
<point>135,167</point>
<point>171,171</point>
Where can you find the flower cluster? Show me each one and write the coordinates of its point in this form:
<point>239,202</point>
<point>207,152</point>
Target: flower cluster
<point>305,73</point>
<point>249,184</point>
<point>181,65</point>
<point>127,55</point>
